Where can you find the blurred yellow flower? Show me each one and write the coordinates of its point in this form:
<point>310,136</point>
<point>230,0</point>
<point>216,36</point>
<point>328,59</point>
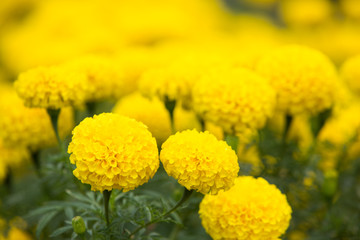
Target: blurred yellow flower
<point>150,112</point>
<point>199,161</point>
<point>104,79</point>
<point>113,152</point>
<point>51,87</point>
<point>350,73</point>
<point>304,78</point>
<point>235,99</point>
<point>30,127</point>
<point>18,234</point>
<point>251,209</point>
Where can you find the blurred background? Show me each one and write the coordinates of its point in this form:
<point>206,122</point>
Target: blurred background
<point>141,34</point>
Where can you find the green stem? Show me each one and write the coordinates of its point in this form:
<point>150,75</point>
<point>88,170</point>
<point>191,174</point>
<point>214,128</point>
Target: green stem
<point>91,107</point>
<point>288,121</point>
<point>8,179</point>
<point>202,123</point>
<point>185,197</point>
<point>36,161</point>
<point>232,141</point>
<point>54,116</point>
<point>106,195</point>
<point>170,107</point>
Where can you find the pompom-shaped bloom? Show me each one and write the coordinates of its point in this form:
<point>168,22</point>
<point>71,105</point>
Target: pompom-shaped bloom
<point>350,73</point>
<point>251,209</point>
<point>113,152</point>
<point>150,112</point>
<point>304,78</point>
<point>104,79</point>
<point>199,161</point>
<point>235,99</point>
<point>51,87</point>
<point>30,127</point>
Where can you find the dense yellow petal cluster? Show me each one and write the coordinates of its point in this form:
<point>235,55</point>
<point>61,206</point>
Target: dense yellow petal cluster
<point>104,79</point>
<point>51,87</point>
<point>303,77</point>
<point>199,161</point>
<point>113,152</point>
<point>350,73</point>
<point>31,127</point>
<point>235,99</point>
<point>150,112</point>
<point>251,209</point>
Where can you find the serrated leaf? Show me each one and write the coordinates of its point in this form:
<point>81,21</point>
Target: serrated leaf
<point>80,197</point>
<point>60,231</point>
<point>147,213</point>
<point>44,220</point>
<point>41,211</point>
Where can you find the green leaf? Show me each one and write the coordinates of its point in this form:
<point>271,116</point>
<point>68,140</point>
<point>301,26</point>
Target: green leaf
<point>80,197</point>
<point>42,210</point>
<point>44,220</point>
<point>69,212</point>
<point>60,231</point>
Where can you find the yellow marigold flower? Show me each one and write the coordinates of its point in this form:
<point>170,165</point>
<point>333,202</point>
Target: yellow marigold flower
<point>350,73</point>
<point>113,152</point>
<point>303,77</point>
<point>150,112</point>
<point>51,87</point>
<point>199,161</point>
<point>251,209</point>
<point>104,79</point>
<point>235,99</point>
<point>31,127</point>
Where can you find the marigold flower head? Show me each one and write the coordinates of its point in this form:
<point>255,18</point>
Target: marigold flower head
<point>113,152</point>
<point>150,112</point>
<point>251,209</point>
<point>31,127</point>
<point>235,99</point>
<point>51,87</point>
<point>303,77</point>
<point>350,73</point>
<point>104,79</point>
<point>199,161</point>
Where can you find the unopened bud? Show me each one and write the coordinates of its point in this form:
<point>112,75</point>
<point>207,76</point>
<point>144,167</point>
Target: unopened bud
<point>78,225</point>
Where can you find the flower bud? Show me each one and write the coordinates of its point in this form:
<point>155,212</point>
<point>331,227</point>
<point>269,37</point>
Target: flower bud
<point>78,225</point>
